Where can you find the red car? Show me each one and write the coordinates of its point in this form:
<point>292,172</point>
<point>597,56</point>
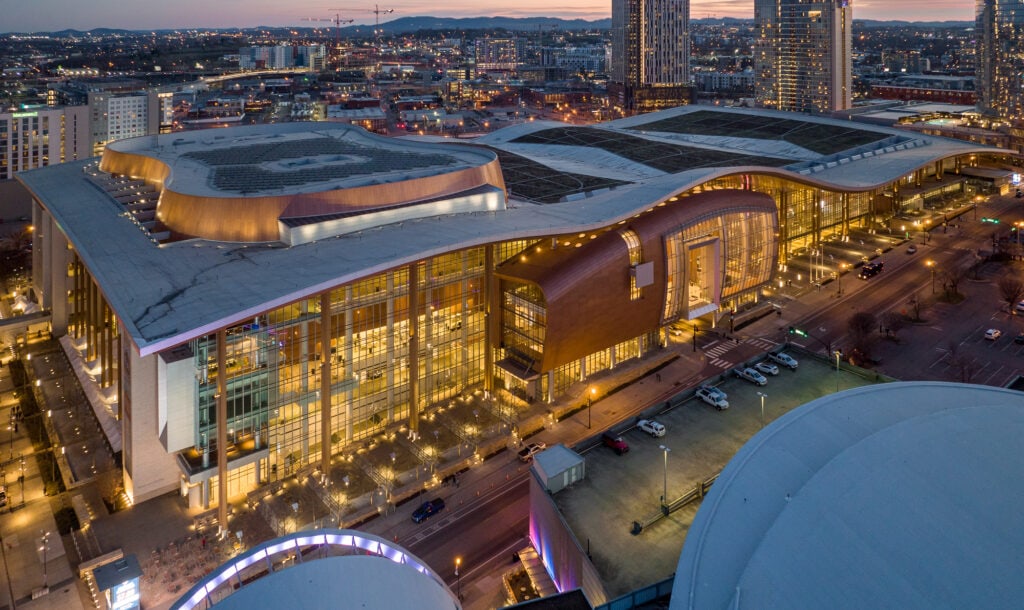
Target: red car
<point>615,443</point>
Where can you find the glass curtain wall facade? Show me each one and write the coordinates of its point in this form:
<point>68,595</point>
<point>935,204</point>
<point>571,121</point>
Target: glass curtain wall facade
<point>803,55</point>
<point>1000,47</point>
<point>273,366</point>
<point>728,254</point>
<point>809,214</point>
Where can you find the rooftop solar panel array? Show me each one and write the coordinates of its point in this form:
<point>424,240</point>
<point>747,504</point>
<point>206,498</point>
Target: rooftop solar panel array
<point>669,158</point>
<point>527,179</point>
<point>821,138</point>
<point>240,168</point>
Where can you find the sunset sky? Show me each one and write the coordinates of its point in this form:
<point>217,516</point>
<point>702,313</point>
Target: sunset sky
<point>51,15</point>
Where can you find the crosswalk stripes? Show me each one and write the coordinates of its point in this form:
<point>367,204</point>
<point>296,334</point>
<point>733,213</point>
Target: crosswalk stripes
<point>719,363</point>
<point>718,349</point>
<point>761,343</point>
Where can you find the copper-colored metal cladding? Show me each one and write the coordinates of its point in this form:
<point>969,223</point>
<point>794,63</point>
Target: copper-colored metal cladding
<point>254,218</point>
<point>587,289</point>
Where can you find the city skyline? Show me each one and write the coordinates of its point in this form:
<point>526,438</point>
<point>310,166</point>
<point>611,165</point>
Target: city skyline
<point>56,15</point>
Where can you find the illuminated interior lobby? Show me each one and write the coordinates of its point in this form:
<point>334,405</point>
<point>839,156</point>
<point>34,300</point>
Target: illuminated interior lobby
<point>277,290</point>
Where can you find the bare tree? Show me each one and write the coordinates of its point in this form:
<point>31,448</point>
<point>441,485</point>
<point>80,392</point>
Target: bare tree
<point>975,269</point>
<point>893,322</point>
<point>963,366</point>
<point>917,305</point>
<point>861,326</point>
<point>1011,290</point>
<point>951,279</point>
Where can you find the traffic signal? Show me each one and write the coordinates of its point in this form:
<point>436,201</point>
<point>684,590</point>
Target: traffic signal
<point>994,221</point>
<point>796,331</point>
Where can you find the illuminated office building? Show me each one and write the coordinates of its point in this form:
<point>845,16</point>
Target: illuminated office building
<point>650,63</point>
<point>802,56</point>
<point>287,292</point>
<point>40,137</point>
<point>1000,77</point>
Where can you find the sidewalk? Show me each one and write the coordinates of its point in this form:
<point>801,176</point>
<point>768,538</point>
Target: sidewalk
<point>23,523</point>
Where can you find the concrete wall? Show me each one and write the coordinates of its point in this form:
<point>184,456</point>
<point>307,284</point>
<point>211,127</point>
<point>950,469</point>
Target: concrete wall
<point>564,558</point>
<point>149,469</point>
<point>176,400</point>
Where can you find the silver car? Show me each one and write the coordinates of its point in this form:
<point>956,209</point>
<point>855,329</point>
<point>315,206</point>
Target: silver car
<point>784,359</point>
<point>752,376</point>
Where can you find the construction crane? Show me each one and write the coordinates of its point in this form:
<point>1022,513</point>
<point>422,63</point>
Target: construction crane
<point>337,21</point>
<point>378,11</point>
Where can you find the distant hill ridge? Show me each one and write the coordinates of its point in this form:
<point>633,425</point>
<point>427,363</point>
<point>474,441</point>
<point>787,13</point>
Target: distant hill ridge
<point>520,24</point>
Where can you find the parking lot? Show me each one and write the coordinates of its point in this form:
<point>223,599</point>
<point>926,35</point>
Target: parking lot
<point>700,440</point>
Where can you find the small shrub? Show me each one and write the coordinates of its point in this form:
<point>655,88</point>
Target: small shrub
<point>66,520</point>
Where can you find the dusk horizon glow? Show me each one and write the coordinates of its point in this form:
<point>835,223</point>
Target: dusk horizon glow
<point>56,15</point>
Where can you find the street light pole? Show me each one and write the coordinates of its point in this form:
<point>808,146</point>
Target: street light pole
<point>838,353</point>
<point>931,266</point>
<point>590,403</point>
<point>44,541</point>
<point>763,396</point>
<point>664,490</point>
<point>458,579</point>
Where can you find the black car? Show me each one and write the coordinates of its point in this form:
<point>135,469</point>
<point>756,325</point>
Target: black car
<point>428,509</point>
<point>870,270</point>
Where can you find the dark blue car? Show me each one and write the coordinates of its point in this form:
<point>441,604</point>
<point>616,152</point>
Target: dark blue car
<point>428,509</point>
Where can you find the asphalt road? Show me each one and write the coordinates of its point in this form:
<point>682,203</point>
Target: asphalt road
<point>484,536</point>
<point>948,344</point>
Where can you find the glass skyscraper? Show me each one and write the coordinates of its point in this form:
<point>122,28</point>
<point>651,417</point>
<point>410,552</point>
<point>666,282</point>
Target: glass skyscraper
<point>1000,77</point>
<point>802,57</point>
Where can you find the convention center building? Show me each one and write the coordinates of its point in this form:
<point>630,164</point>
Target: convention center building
<point>287,291</point>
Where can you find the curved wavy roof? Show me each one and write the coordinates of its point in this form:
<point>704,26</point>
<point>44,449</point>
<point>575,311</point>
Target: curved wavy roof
<point>169,293</point>
<point>902,495</point>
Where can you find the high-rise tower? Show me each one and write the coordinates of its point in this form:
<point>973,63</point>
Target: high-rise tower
<point>1000,75</point>
<point>650,54</point>
<point>802,58</point>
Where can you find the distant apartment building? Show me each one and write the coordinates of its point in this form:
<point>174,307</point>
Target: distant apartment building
<point>928,88</point>
<point>999,32</point>
<point>802,55</point>
<point>117,109</point>
<point>35,138</point>
<point>650,65</point>
<point>710,82</point>
<point>899,61</point>
<point>499,54</point>
<point>282,56</point>
<point>590,59</point>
